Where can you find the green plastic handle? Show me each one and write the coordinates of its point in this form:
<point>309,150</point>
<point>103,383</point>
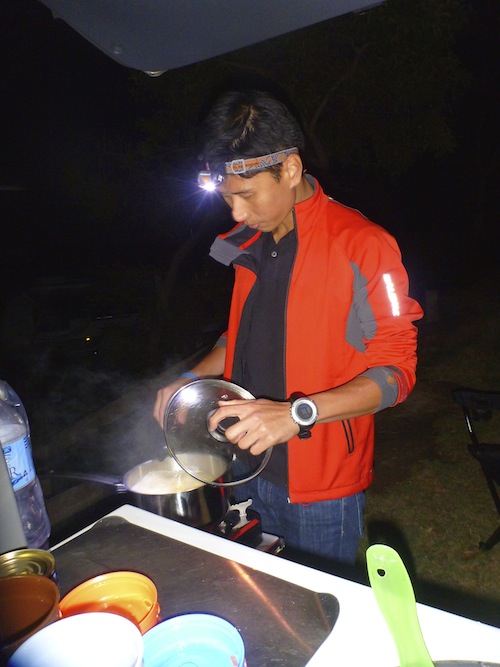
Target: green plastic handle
<point>395,597</point>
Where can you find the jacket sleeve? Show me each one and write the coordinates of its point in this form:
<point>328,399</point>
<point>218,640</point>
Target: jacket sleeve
<point>385,313</point>
<point>222,340</point>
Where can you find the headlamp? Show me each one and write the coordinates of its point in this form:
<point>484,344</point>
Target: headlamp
<point>209,181</point>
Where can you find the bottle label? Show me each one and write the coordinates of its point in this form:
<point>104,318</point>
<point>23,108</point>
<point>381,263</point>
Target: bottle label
<point>19,462</point>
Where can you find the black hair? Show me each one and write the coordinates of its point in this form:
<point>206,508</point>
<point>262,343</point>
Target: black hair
<point>247,124</point>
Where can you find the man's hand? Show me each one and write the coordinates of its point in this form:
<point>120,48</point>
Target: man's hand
<point>262,423</point>
<point>210,366</point>
<point>164,396</point>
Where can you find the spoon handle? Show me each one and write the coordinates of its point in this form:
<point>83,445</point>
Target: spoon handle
<point>395,597</point>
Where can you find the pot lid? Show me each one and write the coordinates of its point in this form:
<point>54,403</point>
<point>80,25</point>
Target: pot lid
<point>207,455</point>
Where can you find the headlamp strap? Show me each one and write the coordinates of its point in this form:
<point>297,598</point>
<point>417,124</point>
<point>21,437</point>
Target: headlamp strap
<point>240,166</point>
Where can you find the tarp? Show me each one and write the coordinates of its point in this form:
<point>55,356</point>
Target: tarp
<point>160,35</point>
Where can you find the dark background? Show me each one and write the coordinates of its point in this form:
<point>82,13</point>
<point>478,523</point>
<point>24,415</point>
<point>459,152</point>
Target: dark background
<point>104,279</point>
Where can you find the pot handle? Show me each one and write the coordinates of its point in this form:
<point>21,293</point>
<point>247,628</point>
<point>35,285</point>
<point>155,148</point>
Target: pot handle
<point>99,478</point>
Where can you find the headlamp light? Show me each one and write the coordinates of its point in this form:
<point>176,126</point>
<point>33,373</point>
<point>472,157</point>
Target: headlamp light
<point>209,181</point>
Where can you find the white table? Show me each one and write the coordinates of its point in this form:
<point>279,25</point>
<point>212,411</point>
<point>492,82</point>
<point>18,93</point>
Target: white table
<point>360,637</point>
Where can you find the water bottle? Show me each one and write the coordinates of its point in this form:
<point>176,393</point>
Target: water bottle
<point>16,445</point>
<point>11,529</point>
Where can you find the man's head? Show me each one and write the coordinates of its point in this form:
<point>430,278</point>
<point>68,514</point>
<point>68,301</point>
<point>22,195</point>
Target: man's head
<point>243,126</point>
<point>249,124</point>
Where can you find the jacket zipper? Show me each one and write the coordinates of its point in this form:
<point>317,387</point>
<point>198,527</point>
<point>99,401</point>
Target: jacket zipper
<point>346,425</point>
<point>284,329</point>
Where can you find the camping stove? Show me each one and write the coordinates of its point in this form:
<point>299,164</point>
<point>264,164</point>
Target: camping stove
<point>242,524</point>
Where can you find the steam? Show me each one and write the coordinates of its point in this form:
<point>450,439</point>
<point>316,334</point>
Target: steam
<point>96,421</point>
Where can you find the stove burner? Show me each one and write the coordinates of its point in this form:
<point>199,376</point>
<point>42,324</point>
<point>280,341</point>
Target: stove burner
<point>242,524</point>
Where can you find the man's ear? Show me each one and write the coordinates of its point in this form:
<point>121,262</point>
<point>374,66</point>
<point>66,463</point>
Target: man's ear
<point>293,167</point>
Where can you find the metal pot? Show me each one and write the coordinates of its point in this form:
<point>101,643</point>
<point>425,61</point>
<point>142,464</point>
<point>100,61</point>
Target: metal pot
<point>162,487</point>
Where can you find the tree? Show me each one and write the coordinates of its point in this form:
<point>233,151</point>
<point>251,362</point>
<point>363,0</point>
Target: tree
<point>373,89</point>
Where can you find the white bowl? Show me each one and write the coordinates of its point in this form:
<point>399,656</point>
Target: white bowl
<point>94,639</point>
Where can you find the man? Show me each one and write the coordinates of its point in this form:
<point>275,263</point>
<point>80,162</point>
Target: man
<point>320,329</point>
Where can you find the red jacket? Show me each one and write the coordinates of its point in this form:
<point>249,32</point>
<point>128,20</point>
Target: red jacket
<point>348,310</point>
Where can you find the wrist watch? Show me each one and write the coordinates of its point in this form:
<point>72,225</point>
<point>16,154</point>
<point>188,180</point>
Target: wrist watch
<point>304,413</point>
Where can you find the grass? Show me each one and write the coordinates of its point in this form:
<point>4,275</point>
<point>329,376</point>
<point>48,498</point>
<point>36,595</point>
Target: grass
<point>430,500</point>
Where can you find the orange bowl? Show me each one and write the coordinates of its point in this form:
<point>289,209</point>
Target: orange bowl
<point>129,594</point>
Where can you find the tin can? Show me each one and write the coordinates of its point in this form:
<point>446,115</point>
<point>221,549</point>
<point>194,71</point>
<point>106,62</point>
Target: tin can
<point>28,561</point>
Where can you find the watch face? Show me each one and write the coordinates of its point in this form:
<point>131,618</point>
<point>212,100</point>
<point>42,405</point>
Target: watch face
<point>304,412</point>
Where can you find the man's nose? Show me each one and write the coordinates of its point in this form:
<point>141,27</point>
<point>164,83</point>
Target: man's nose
<point>239,210</point>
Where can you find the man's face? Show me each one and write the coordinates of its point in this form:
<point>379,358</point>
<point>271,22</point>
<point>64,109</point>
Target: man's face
<point>260,202</point>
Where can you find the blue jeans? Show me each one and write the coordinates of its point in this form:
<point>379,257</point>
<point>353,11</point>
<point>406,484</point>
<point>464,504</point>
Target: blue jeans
<point>331,529</point>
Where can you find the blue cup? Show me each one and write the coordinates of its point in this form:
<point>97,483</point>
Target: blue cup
<point>194,640</point>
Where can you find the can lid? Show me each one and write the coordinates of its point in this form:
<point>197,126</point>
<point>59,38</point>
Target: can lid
<point>27,561</point>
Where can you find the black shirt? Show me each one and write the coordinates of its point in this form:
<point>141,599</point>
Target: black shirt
<point>260,350</point>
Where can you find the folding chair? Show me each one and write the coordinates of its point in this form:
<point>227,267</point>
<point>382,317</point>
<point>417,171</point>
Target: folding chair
<point>478,406</point>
